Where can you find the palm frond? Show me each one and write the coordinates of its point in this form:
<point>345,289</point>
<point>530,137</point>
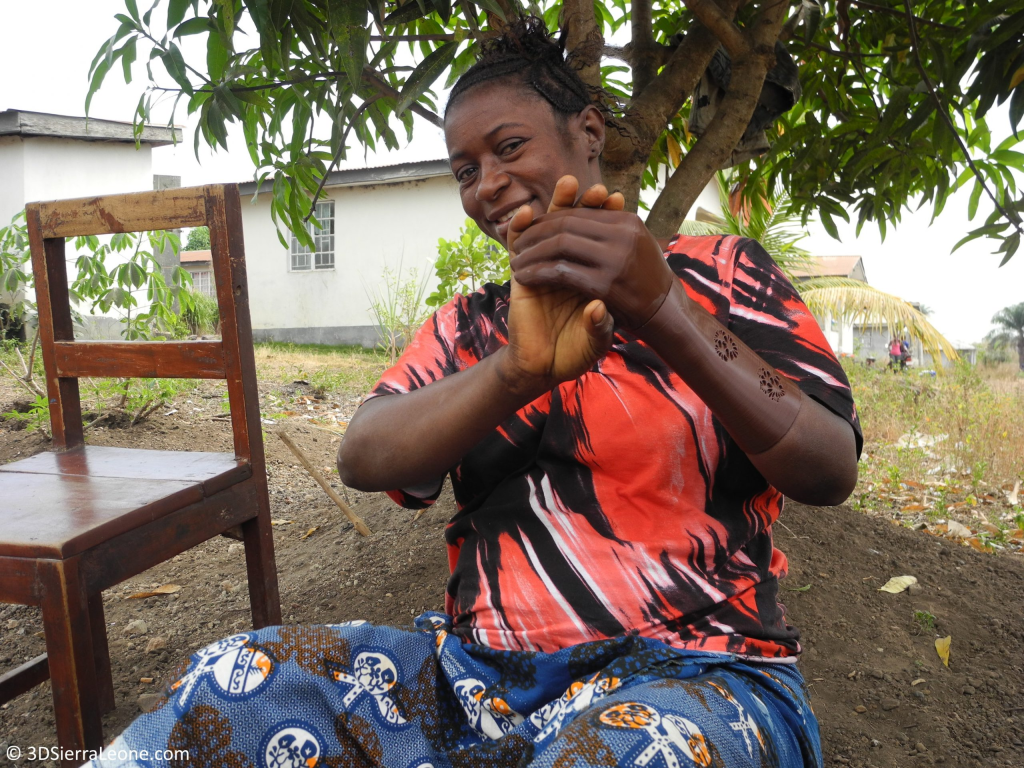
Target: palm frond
<point>701,228</point>
<point>858,302</point>
<point>1011,319</point>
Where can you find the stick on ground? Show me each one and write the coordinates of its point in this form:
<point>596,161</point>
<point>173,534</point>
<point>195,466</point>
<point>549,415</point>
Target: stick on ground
<point>352,516</point>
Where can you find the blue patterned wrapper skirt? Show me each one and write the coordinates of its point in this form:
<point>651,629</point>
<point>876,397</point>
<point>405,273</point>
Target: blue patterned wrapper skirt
<point>358,695</point>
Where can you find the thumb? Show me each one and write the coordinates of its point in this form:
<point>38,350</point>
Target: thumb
<point>600,326</point>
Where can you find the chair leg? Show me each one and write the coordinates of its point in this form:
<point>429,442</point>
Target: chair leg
<point>104,677</point>
<point>264,597</point>
<point>69,650</point>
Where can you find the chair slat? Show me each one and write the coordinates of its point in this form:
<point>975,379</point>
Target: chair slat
<point>137,212</point>
<point>140,359</point>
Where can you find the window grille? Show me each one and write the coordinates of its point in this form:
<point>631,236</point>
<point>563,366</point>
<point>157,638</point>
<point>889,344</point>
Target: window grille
<point>322,256</point>
<point>202,282</point>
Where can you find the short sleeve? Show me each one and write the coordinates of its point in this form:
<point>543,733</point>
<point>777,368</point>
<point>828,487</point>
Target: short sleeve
<point>767,313</point>
<point>427,358</point>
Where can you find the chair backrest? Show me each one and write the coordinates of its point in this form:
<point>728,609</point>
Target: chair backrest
<point>65,359</point>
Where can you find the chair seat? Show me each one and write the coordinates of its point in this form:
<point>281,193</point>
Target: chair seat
<point>56,505</point>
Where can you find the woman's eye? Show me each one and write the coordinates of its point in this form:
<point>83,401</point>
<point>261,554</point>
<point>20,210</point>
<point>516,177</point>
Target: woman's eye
<point>465,174</point>
<point>511,146</point>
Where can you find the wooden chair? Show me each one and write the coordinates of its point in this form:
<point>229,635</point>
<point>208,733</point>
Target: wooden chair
<point>84,518</point>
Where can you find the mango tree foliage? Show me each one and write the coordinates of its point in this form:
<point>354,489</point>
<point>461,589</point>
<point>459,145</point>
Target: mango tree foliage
<point>895,106</point>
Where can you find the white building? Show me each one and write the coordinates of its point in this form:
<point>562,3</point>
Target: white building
<point>372,218</point>
<point>841,333</point>
<point>55,157</point>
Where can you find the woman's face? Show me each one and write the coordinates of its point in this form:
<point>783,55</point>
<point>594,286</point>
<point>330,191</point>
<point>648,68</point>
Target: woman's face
<point>507,148</point>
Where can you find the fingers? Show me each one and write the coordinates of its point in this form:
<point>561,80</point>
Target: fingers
<point>580,234</point>
<point>563,274</point>
<point>517,225</point>
<point>594,197</point>
<point>614,202</point>
<point>564,196</point>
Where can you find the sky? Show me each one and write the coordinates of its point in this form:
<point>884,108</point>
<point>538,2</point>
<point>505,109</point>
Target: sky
<point>50,44</point>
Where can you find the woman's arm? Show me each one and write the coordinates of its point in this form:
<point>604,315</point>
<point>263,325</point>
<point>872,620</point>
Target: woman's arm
<point>798,445</point>
<point>413,439</point>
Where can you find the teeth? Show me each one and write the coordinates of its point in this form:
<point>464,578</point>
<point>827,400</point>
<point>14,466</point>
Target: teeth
<point>508,216</point>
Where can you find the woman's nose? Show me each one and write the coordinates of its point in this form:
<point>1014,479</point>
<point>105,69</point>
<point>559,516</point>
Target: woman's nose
<point>492,181</point>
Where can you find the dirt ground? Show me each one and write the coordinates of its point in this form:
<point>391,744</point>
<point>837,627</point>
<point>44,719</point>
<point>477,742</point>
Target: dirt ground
<point>882,695</point>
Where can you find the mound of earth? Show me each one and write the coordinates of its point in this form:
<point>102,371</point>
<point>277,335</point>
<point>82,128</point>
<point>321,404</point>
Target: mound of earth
<point>883,697</point>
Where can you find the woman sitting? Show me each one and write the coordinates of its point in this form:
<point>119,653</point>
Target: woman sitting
<point>620,424</point>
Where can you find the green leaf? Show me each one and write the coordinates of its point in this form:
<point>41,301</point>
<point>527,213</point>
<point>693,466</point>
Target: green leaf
<point>443,8</point>
<point>174,63</point>
<point>972,205</point>
<point>193,27</point>
<point>826,221</point>
<point>425,74</point>
<point>133,10</point>
<point>405,14</point>
<point>128,58</point>
<point>216,57</point>
<point>176,11</point>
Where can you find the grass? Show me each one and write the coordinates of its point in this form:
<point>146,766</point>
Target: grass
<point>345,370</point>
<point>925,620</point>
<point>937,446</point>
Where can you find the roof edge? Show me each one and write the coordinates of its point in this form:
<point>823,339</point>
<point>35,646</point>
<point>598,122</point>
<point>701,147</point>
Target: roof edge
<point>19,122</point>
<point>355,177</point>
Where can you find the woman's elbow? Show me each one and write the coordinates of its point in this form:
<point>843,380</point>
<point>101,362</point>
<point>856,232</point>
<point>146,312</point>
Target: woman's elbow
<point>832,486</point>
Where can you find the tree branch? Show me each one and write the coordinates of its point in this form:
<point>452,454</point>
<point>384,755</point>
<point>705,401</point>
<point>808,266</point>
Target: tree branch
<point>897,12</point>
<point>721,25</point>
<point>629,144</point>
<point>943,111</point>
<point>643,60</point>
<point>736,108</point>
<point>432,38</point>
<point>372,79</point>
<point>583,40</point>
<point>340,152</point>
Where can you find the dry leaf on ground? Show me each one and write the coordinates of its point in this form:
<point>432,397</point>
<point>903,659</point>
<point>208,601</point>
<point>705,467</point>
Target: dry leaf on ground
<point>958,530</point>
<point>942,648</point>
<point>897,584</point>
<point>166,589</point>
<point>310,532</point>
<point>280,522</point>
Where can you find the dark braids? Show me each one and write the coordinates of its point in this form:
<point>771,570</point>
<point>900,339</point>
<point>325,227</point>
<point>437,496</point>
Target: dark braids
<point>526,53</point>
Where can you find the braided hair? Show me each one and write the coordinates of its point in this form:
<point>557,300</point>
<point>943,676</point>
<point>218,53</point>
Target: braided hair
<point>526,53</point>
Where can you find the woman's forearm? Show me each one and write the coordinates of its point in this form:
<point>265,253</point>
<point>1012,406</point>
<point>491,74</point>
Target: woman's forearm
<point>400,441</point>
<point>798,445</point>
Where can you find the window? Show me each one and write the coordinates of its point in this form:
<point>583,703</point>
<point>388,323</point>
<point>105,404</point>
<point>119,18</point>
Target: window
<point>202,281</point>
<point>322,257</point>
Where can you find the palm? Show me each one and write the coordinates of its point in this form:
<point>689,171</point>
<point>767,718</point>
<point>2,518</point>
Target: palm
<point>549,333</point>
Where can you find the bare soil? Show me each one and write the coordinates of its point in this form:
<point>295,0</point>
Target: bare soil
<point>883,697</point>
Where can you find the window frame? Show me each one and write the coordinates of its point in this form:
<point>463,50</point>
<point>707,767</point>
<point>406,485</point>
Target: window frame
<point>320,258</point>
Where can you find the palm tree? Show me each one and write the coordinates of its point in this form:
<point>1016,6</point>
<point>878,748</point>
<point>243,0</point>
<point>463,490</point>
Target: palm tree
<point>1010,330</point>
<point>770,220</point>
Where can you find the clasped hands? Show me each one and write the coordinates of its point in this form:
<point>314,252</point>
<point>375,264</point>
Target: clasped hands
<point>577,271</point>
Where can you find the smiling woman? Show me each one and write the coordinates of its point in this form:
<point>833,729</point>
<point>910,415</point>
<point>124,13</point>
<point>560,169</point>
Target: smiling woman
<point>619,423</point>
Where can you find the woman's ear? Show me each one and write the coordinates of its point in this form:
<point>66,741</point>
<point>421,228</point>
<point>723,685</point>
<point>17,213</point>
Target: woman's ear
<point>593,124</point>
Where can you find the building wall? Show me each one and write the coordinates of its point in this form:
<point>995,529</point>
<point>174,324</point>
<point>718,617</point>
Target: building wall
<point>66,168</point>
<point>44,168</point>
<point>376,226</point>
<point>12,177</point>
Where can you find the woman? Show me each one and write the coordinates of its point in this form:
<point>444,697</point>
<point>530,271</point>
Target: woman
<point>619,424</point>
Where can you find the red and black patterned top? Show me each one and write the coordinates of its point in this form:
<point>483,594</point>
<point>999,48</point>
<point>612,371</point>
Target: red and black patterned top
<point>618,501</point>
